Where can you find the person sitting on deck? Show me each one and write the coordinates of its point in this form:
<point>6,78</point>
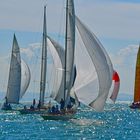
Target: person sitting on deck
<point>62,104</point>
<point>6,100</point>
<point>34,102</point>
<point>25,107</point>
<point>6,105</point>
<point>9,107</point>
<point>69,106</point>
<point>57,109</point>
<point>32,107</point>
<point>49,110</point>
<point>39,105</point>
<point>53,109</point>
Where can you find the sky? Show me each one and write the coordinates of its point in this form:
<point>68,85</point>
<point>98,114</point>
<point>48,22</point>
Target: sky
<point>115,23</point>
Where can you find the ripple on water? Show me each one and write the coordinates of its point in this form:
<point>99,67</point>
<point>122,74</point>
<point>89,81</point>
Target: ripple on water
<point>118,122</point>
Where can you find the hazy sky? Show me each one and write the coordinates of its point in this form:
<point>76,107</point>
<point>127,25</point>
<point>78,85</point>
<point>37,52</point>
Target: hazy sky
<point>116,23</point>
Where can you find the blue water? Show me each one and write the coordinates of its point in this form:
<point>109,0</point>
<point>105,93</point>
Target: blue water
<point>117,122</point>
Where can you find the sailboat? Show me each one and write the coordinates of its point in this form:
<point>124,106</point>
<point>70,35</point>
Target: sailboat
<point>41,107</point>
<point>101,62</point>
<point>136,102</point>
<point>19,78</point>
<point>69,70</point>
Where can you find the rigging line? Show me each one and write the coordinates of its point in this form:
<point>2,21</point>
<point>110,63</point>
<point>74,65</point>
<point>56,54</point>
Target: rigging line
<point>35,59</point>
<point>6,74</point>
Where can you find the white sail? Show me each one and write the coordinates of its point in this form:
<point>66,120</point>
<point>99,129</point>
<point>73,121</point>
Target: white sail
<point>69,48</point>
<point>58,55</point>
<point>14,82</point>
<point>101,63</point>
<point>25,78</point>
<point>43,61</point>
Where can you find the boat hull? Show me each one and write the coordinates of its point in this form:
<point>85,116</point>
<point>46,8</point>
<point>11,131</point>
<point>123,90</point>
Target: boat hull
<point>6,108</point>
<point>57,116</point>
<point>31,111</point>
<point>135,106</point>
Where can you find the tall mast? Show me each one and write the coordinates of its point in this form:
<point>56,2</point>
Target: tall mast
<point>69,48</point>
<point>43,61</point>
<point>65,66</point>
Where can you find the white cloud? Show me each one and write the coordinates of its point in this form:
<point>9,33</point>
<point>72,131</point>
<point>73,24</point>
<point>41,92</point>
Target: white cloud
<point>30,51</point>
<point>108,19</point>
<point>124,62</point>
<point>123,56</point>
<point>111,19</point>
<point>131,49</point>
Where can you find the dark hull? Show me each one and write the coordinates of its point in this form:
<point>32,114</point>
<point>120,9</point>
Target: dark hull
<point>57,117</point>
<point>33,111</point>
<point>6,108</point>
<point>135,106</point>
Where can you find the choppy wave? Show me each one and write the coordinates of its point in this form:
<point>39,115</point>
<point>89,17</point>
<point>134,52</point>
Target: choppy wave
<point>117,122</point>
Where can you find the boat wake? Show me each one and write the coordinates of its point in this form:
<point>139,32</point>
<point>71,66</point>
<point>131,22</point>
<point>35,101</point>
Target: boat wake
<point>86,122</point>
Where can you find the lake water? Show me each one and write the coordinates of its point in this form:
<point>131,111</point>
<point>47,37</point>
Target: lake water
<point>117,122</point>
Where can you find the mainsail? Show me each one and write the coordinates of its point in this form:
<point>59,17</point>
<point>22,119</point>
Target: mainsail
<point>14,82</point>
<point>137,79</point>
<point>102,64</point>
<point>136,102</point>
<point>43,61</point>
<point>19,76</point>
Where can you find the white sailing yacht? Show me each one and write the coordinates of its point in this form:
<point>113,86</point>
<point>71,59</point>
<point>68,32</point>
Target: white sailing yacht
<point>102,64</point>
<point>41,107</point>
<point>99,59</point>
<point>68,66</point>
<point>19,78</point>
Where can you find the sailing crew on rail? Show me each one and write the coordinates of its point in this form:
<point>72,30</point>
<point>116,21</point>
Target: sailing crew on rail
<point>62,104</point>
<point>34,102</point>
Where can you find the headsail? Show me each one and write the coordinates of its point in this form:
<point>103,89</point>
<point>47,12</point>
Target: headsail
<point>14,82</point>
<point>43,61</point>
<point>116,88</point>
<point>25,78</point>
<point>57,53</point>
<point>98,57</point>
